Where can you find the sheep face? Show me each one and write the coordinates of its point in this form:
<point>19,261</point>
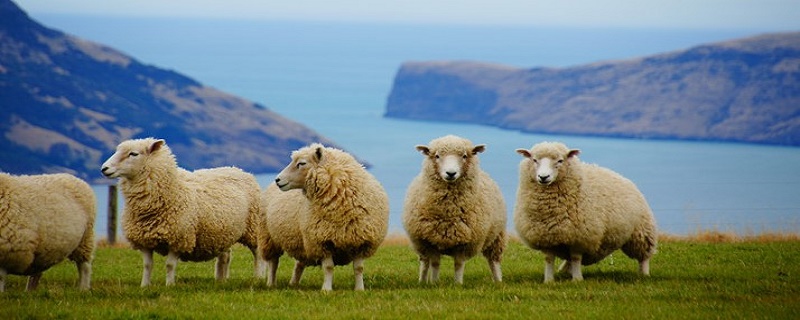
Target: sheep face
<point>130,157</point>
<point>547,160</point>
<point>294,175</point>
<point>451,161</point>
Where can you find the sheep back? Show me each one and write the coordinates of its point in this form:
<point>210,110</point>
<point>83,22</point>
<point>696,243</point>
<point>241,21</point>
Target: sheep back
<point>43,220</point>
<point>228,207</point>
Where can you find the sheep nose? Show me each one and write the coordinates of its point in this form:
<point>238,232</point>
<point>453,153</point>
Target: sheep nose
<point>544,178</point>
<point>104,169</point>
<point>450,174</point>
<point>277,180</point>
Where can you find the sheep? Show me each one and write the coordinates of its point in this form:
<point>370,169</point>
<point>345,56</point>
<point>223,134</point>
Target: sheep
<point>191,216</point>
<point>454,208</point>
<point>339,215</point>
<point>45,219</point>
<point>579,212</point>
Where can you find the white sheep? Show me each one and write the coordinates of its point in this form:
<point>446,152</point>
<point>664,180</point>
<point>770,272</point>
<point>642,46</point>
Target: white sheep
<point>45,219</point>
<point>454,208</point>
<point>579,212</point>
<point>191,216</point>
<point>340,214</point>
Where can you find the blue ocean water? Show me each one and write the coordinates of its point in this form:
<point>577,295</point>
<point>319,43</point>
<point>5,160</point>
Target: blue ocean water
<point>335,77</point>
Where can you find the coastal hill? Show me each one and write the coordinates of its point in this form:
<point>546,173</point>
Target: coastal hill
<point>65,103</point>
<point>745,90</point>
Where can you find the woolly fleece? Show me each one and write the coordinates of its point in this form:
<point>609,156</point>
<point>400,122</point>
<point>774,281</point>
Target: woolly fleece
<point>458,218</point>
<point>341,212</point>
<point>587,211</point>
<point>196,215</point>
<point>45,219</point>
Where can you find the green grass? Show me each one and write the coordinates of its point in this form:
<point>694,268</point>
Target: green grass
<point>690,280</point>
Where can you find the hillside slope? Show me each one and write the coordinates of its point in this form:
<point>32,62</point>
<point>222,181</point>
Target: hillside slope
<point>65,103</point>
<point>746,90</point>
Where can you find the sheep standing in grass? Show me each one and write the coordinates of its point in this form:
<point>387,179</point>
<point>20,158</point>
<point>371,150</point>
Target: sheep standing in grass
<point>191,216</point>
<point>341,215</point>
<point>45,219</point>
<point>454,208</point>
<point>580,212</point>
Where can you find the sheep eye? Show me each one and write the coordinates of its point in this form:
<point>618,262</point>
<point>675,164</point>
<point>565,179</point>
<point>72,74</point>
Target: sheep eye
<point>535,161</point>
<point>133,154</point>
<point>464,157</point>
<point>300,164</point>
<point>560,161</point>
<point>437,156</point>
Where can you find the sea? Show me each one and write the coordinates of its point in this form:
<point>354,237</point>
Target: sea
<point>335,77</point>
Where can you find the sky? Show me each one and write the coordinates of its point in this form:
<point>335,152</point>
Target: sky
<point>774,15</point>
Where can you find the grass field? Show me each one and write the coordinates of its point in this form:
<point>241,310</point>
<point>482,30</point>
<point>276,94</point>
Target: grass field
<point>691,279</point>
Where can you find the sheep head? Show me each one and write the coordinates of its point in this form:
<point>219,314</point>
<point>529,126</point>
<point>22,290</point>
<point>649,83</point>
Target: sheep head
<point>450,157</point>
<point>132,156</point>
<point>294,175</point>
<point>547,160</point>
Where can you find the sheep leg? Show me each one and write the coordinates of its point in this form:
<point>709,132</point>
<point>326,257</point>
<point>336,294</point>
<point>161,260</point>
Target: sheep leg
<point>644,266</point>
<point>259,264</point>
<point>272,271</point>
<point>424,265</point>
<point>549,261</point>
<point>435,260</point>
<point>84,274</point>
<point>575,266</point>
<point>494,255</point>
<point>299,267</point>
<point>33,281</point>
<point>3,275</point>
<point>497,273</point>
<point>171,263</point>
<point>358,273</point>
<point>147,268</point>
<point>327,268</point>
<point>458,264</point>
<point>564,267</point>
<point>223,265</point>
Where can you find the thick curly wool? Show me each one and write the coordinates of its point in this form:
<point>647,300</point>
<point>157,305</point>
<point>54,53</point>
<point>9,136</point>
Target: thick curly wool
<point>580,212</point>
<point>45,219</point>
<point>341,215</point>
<point>191,216</point>
<point>281,230</point>
<point>458,217</point>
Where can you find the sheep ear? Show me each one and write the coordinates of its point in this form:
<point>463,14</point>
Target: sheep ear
<point>156,145</point>
<point>573,153</point>
<point>524,152</point>
<point>423,149</point>
<point>479,148</point>
<point>318,153</point>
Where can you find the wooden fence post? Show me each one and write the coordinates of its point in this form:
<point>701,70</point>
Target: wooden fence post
<point>112,214</point>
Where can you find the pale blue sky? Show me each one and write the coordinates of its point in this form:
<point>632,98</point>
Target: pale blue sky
<point>776,15</point>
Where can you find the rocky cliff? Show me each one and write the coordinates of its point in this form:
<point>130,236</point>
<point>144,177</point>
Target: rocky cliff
<point>65,103</point>
<point>745,90</point>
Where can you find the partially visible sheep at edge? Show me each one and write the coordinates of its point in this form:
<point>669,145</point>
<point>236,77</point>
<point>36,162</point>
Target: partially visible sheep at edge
<point>580,212</point>
<point>45,219</point>
<point>191,216</point>
<point>339,215</point>
<point>454,208</point>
